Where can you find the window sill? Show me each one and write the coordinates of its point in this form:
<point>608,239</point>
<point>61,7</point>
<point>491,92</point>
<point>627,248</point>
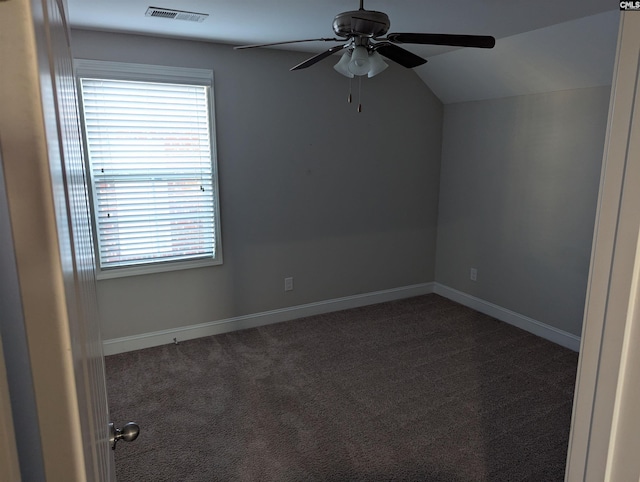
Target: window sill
<point>155,268</point>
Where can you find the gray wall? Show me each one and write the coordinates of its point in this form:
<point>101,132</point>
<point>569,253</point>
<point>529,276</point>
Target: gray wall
<point>518,192</point>
<point>346,203</point>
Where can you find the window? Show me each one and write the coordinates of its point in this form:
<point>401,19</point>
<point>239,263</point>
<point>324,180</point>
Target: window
<point>150,149</point>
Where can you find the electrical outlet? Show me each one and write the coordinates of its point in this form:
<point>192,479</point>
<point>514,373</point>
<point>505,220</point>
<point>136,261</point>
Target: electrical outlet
<point>473,274</point>
<point>288,284</point>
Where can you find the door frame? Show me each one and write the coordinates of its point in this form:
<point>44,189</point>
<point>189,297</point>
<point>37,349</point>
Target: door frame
<point>604,384</point>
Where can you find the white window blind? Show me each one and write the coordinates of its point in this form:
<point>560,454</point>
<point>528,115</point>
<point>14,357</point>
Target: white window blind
<point>149,148</point>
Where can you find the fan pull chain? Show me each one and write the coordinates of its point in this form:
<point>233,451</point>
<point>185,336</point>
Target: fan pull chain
<point>359,93</point>
<point>349,97</point>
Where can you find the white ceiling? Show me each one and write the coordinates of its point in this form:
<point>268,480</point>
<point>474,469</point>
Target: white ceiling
<point>542,45</point>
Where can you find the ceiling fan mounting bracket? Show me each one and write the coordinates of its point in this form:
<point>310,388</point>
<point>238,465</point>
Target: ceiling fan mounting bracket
<point>361,23</point>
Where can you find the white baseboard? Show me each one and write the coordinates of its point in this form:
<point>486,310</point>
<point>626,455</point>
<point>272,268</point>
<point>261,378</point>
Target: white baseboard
<point>568,340</point>
<point>163,337</point>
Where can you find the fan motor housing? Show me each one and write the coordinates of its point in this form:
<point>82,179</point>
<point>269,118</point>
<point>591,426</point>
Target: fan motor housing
<point>361,23</point>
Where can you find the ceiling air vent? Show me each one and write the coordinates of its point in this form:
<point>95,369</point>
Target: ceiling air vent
<point>175,14</point>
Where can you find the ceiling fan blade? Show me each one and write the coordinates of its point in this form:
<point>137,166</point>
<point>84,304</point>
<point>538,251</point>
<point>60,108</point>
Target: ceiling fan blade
<point>241,47</point>
<point>398,54</point>
<point>318,58</point>
<point>478,41</point>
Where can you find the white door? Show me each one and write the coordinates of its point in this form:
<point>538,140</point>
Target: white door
<point>51,229</point>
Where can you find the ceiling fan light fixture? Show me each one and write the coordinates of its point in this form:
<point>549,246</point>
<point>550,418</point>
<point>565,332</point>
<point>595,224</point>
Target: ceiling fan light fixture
<point>359,64</point>
<point>376,64</point>
<point>342,66</point>
<point>362,33</point>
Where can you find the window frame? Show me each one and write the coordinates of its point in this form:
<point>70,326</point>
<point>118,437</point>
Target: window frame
<point>108,70</point>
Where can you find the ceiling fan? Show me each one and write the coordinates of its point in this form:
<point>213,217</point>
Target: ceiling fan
<point>366,44</point>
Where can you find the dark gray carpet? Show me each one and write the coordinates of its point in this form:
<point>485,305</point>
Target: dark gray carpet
<point>417,389</point>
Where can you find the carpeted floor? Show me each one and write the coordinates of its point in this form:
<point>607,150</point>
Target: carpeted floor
<point>417,389</point>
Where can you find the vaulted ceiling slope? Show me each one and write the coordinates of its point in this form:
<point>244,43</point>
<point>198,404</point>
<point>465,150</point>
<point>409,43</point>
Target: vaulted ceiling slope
<point>542,45</point>
<point>571,55</point>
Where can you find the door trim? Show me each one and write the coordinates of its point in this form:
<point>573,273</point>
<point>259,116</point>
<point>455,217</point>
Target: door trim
<point>614,265</point>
